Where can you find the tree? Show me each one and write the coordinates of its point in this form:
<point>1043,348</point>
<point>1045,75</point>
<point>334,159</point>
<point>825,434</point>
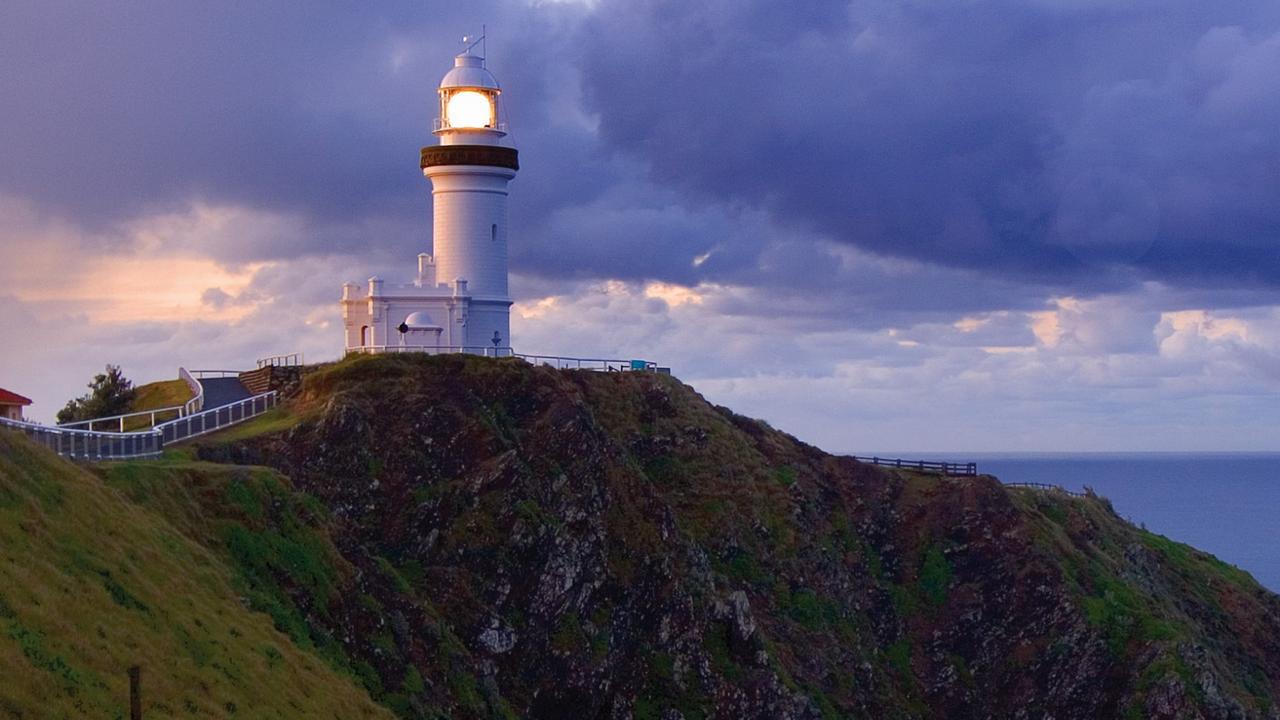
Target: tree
<point>110,393</point>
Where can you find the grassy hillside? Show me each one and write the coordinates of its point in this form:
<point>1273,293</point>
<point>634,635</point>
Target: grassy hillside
<point>160,394</point>
<point>154,396</point>
<point>91,583</point>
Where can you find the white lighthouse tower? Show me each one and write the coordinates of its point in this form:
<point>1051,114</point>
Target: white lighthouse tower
<point>459,300</point>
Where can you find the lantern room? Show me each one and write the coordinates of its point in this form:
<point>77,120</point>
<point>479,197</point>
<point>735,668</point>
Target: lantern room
<point>469,111</point>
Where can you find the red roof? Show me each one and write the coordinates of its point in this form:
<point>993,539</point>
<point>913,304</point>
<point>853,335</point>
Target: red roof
<point>12,398</point>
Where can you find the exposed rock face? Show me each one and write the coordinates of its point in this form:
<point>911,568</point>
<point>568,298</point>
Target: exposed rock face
<point>547,544</point>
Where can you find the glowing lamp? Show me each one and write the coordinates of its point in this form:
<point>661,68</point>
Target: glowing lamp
<point>469,109</point>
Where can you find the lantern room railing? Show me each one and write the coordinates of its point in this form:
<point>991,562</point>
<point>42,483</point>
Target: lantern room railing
<point>440,124</point>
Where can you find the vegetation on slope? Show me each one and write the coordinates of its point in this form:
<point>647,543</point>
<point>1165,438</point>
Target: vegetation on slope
<point>110,393</point>
<point>538,542</point>
<point>160,394</point>
<point>91,583</point>
<point>155,396</point>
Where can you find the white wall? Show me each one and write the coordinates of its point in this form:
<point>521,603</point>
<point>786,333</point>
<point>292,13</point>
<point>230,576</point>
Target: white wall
<point>469,201</point>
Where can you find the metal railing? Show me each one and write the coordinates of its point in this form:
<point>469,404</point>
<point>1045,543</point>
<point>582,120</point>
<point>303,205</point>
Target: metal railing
<point>946,468</point>
<point>556,361</point>
<point>90,444</point>
<point>289,360</point>
<point>196,403</point>
<point>217,418</point>
<point>97,445</point>
<point>597,364</point>
<point>200,374</point>
<point>485,350</point>
<point>1044,487</point>
<point>440,124</point>
<point>118,420</point>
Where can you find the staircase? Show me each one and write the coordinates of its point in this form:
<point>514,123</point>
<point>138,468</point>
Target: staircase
<point>257,381</point>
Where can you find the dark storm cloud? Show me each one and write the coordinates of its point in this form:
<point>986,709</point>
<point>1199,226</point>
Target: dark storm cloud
<point>1085,143</point>
<point>1040,146</point>
<point>114,110</point>
<point>119,107</point>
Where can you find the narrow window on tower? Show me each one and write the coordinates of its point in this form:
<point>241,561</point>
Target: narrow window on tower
<point>493,232</point>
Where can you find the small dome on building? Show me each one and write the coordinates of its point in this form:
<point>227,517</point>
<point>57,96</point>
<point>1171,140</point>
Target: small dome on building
<point>420,321</point>
<point>469,72</point>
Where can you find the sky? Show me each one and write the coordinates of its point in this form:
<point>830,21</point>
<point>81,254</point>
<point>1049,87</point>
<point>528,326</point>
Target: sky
<point>880,225</point>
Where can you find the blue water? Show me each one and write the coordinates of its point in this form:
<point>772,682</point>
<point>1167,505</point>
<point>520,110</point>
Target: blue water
<point>1223,503</point>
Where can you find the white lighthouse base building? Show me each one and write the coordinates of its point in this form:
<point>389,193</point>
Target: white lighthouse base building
<point>424,316</point>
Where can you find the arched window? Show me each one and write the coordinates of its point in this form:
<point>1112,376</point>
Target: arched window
<point>493,232</point>
<point>364,335</point>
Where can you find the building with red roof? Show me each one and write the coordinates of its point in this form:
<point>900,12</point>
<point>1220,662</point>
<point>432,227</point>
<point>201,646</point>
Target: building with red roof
<point>11,404</point>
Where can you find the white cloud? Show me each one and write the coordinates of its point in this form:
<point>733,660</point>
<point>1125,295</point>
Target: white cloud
<point>1101,382</point>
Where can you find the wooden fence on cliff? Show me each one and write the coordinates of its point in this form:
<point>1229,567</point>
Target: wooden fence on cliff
<point>945,468</point>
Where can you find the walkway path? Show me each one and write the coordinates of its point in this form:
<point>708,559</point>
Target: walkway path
<point>222,391</point>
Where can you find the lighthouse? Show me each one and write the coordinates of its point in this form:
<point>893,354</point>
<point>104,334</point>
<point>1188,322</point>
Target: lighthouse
<point>458,301</point>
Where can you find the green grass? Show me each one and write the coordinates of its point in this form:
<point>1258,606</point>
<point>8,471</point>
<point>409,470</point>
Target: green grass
<point>272,421</point>
<point>270,536</point>
<point>935,576</point>
<point>162,394</point>
<point>663,692</point>
<point>786,475</point>
<point>92,583</point>
<point>899,655</point>
<point>1193,563</point>
<point>568,636</point>
<point>808,608</point>
<point>154,396</point>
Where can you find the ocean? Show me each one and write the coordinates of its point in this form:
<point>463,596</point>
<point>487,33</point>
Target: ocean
<point>1223,503</point>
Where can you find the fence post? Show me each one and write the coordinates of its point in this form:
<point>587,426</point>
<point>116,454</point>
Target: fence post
<point>135,693</point>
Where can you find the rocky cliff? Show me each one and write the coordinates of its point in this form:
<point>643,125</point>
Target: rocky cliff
<point>526,542</point>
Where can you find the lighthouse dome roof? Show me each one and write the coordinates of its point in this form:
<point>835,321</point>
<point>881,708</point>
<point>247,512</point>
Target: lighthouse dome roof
<point>469,72</point>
